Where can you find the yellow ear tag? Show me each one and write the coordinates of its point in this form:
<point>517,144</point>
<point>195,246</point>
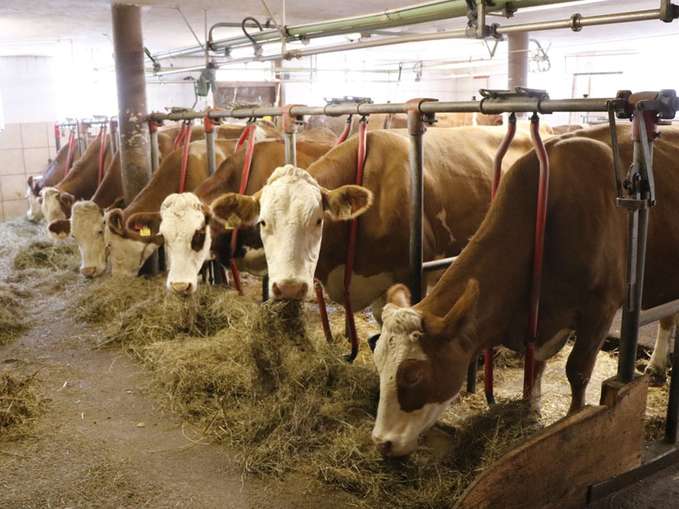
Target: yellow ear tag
<point>145,231</point>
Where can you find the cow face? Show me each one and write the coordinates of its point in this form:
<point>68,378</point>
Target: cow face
<point>127,254</point>
<point>34,212</point>
<point>422,361</point>
<point>290,210</point>
<point>87,226</point>
<point>56,206</point>
<point>184,226</point>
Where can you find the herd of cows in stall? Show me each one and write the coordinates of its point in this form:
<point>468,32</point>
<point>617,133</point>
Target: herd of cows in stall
<point>292,224</point>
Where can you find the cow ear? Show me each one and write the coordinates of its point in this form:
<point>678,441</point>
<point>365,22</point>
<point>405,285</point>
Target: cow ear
<point>399,295</point>
<point>346,202</point>
<point>114,220</point>
<point>145,227</point>
<point>234,210</point>
<point>61,228</point>
<point>459,319</point>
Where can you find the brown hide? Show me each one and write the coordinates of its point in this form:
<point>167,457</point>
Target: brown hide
<point>458,172</point>
<point>82,181</point>
<point>165,180</point>
<point>111,187</point>
<point>54,172</point>
<point>585,250</point>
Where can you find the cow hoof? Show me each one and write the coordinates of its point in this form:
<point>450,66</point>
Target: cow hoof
<point>656,376</point>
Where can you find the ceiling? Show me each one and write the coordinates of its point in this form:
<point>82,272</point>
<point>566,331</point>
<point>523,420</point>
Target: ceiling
<point>33,26</point>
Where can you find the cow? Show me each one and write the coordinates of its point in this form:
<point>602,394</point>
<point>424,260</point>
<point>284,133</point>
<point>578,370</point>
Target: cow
<point>184,223</point>
<point>128,248</point>
<point>55,171</point>
<point>458,173</point>
<point>423,351</point>
<point>79,183</point>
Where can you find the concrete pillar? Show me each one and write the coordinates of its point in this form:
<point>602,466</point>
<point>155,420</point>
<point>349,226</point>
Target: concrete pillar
<point>134,135</point>
<point>135,144</point>
<point>517,65</point>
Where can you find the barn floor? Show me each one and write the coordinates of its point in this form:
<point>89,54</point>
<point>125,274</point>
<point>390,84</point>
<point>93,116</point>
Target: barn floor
<point>105,440</point>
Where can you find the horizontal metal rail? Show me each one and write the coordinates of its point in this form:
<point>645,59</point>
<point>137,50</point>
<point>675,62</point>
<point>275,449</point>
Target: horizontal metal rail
<point>402,16</point>
<point>433,265</point>
<point>651,315</point>
<point>667,13</point>
<point>488,106</point>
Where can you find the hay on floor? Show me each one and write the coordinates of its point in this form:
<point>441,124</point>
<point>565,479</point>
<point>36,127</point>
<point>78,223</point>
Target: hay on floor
<point>20,404</point>
<point>12,312</point>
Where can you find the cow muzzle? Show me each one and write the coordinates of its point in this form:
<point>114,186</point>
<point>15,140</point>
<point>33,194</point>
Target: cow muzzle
<point>393,448</point>
<point>289,289</point>
<point>183,289</point>
<point>88,272</point>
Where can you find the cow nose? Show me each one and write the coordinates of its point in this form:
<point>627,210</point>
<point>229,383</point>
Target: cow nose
<point>181,288</point>
<point>385,448</point>
<point>88,271</point>
<point>290,290</point>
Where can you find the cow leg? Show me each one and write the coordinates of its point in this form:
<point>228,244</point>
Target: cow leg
<point>589,337</point>
<point>659,362</point>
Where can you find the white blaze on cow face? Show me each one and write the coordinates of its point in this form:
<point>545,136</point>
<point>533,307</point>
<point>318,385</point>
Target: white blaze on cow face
<point>34,212</point>
<point>422,361</point>
<point>396,431</point>
<point>290,211</point>
<point>125,254</point>
<point>184,227</point>
<point>87,227</point>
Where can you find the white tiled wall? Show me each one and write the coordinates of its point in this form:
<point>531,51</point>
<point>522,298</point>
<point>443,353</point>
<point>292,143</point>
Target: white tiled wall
<point>24,150</point>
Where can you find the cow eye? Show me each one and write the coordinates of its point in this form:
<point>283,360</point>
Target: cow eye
<point>372,342</point>
<point>319,222</point>
<point>198,240</point>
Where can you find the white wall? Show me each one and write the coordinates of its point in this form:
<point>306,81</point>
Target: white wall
<point>27,89</point>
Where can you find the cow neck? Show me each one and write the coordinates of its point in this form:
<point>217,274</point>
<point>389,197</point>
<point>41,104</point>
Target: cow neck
<point>81,180</point>
<point>56,170</point>
<point>111,188</point>
<point>499,256</point>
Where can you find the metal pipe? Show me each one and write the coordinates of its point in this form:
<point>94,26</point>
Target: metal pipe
<point>403,16</point>
<point>433,265</point>
<point>658,313</point>
<point>210,136</point>
<point>291,148</point>
<point>155,150</point>
<point>517,60</point>
<point>518,104</point>
<point>575,23</point>
<point>416,130</point>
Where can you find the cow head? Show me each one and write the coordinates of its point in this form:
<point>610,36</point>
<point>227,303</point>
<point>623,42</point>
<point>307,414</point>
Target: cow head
<point>290,210</point>
<point>87,227</point>
<point>127,252</point>
<point>183,226</point>
<point>56,206</point>
<point>34,212</point>
<point>422,361</point>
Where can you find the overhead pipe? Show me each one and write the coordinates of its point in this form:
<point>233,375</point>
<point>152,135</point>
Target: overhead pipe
<point>575,23</point>
<point>404,16</point>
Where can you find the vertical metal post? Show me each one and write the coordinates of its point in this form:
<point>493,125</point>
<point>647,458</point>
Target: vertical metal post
<point>416,129</point>
<point>290,135</point>
<point>113,129</point>
<point>155,149</point>
<point>57,137</point>
<point>134,135</point>
<point>210,144</point>
<point>672,422</point>
<point>636,244</point>
<point>81,129</point>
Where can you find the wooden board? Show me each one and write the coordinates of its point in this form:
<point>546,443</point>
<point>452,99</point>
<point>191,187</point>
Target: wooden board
<point>555,468</point>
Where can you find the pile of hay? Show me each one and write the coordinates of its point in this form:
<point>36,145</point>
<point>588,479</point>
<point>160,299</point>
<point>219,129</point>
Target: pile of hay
<point>12,312</point>
<point>280,398</point>
<point>49,266</point>
<point>20,403</point>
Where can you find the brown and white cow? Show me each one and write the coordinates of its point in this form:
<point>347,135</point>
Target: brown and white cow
<point>53,174</point>
<point>128,248</point>
<point>482,300</point>
<point>458,172</point>
<point>182,220</point>
<point>80,183</point>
